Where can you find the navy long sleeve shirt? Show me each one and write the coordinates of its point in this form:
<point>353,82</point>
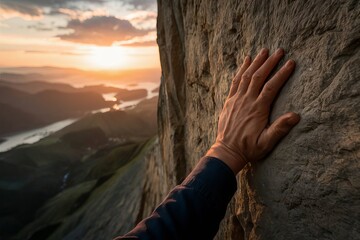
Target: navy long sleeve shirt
<point>194,209</point>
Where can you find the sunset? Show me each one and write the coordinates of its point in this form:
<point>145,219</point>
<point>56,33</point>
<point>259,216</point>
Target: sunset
<point>179,120</point>
<point>79,84</point>
<point>88,34</point>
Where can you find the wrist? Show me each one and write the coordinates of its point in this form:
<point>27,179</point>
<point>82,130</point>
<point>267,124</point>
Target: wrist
<point>232,159</point>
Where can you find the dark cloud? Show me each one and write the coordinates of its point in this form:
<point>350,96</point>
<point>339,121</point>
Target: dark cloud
<point>140,4</point>
<point>101,30</point>
<point>21,7</point>
<point>36,7</point>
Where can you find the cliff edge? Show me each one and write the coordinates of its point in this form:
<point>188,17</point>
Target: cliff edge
<point>309,187</point>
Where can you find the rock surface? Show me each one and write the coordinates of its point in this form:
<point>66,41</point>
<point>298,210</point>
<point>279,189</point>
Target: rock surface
<point>309,187</point>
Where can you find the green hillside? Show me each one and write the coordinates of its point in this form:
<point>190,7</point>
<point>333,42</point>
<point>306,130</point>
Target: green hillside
<point>46,187</point>
<point>105,186</point>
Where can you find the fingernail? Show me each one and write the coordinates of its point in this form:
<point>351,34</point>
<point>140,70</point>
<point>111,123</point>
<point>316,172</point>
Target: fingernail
<point>290,63</point>
<point>293,119</point>
<point>279,51</point>
<point>263,51</point>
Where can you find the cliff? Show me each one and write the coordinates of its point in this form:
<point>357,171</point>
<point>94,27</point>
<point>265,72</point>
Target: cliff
<point>309,187</point>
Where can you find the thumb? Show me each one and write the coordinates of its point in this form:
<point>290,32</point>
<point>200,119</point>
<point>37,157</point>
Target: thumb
<point>278,129</point>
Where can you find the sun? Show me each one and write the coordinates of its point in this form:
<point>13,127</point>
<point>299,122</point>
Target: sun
<point>113,57</point>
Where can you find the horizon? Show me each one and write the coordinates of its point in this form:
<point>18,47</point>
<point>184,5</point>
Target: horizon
<point>80,69</point>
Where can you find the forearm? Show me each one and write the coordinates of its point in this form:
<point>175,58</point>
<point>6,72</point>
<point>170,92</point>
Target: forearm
<point>194,209</point>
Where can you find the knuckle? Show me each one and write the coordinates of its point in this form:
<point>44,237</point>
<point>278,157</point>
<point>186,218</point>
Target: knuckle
<point>246,76</point>
<point>263,98</point>
<point>265,147</point>
<point>283,72</point>
<point>268,88</point>
<point>235,79</point>
<point>257,76</point>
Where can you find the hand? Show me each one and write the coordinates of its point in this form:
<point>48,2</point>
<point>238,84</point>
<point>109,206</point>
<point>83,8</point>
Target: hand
<point>244,133</point>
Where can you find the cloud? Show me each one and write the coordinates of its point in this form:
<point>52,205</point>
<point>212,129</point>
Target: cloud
<point>101,30</point>
<point>55,52</point>
<point>149,40</point>
<point>140,44</point>
<point>80,14</point>
<point>140,4</point>
<point>40,26</point>
<point>20,7</point>
<point>143,19</point>
<point>36,8</point>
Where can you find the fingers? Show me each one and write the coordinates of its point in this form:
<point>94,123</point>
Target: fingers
<point>237,78</point>
<point>255,65</point>
<point>259,77</point>
<point>277,130</point>
<point>273,86</point>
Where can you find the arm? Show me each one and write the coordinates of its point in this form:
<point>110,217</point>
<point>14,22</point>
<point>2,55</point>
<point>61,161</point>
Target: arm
<point>194,209</point>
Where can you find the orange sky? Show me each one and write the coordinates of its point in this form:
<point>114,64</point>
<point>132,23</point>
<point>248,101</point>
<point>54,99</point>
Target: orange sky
<point>85,34</point>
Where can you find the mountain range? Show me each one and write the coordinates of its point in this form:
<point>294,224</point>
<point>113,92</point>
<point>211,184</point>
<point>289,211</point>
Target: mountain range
<point>32,104</point>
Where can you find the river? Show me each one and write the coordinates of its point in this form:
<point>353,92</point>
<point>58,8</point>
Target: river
<point>34,135</point>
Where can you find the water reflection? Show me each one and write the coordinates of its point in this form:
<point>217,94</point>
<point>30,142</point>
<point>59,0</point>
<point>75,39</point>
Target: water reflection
<point>33,135</point>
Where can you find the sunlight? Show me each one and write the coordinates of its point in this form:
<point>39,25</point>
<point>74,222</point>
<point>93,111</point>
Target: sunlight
<point>107,57</point>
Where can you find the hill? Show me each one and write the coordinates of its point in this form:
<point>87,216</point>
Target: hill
<point>128,95</point>
<point>13,119</point>
<point>44,107</point>
<point>93,162</point>
<point>39,86</point>
<point>134,124</point>
<point>79,77</point>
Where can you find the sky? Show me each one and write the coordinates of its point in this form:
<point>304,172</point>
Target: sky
<point>84,34</point>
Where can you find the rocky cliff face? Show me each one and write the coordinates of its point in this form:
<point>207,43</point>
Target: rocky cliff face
<point>309,187</point>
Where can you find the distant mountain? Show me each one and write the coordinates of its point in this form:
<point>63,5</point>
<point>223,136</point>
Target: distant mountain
<point>135,124</point>
<point>156,90</point>
<point>128,95</point>
<point>20,77</point>
<point>46,106</point>
<point>13,120</point>
<point>80,77</point>
<point>38,86</point>
<point>99,89</point>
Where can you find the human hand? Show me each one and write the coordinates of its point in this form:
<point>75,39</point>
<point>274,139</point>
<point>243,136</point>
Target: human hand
<point>244,133</point>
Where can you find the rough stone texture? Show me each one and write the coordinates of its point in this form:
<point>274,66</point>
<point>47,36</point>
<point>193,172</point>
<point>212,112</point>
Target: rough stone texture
<point>154,187</point>
<point>309,187</point>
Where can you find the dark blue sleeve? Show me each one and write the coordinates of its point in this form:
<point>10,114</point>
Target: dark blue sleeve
<point>194,209</point>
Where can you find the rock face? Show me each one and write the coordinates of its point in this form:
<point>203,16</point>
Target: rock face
<point>309,187</point>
